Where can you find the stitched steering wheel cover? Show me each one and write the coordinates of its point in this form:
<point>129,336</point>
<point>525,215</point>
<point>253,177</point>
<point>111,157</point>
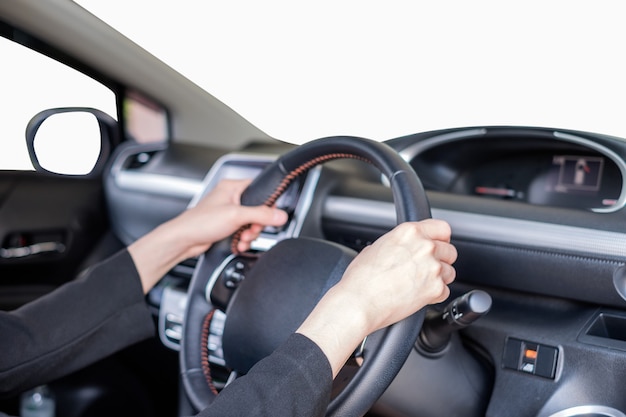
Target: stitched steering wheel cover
<point>392,344</point>
<point>403,181</point>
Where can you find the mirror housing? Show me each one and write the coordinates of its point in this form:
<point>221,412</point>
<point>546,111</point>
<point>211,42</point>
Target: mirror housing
<point>71,140</point>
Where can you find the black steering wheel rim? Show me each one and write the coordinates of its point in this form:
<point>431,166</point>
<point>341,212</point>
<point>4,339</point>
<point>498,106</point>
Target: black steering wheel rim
<point>396,341</point>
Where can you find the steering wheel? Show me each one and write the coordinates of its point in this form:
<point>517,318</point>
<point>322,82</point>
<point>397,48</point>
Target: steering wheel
<point>287,281</point>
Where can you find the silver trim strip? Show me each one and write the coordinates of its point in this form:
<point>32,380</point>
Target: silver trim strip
<point>589,410</point>
<point>360,211</point>
<point>214,276</point>
<point>487,228</point>
<point>165,185</point>
<point>306,200</point>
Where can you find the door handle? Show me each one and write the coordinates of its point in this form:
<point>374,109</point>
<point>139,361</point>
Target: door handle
<point>30,250</point>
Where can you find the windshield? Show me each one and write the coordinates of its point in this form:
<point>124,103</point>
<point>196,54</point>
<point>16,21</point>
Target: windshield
<point>304,70</point>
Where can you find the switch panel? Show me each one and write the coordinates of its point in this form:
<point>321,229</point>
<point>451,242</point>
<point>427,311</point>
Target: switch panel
<point>531,358</point>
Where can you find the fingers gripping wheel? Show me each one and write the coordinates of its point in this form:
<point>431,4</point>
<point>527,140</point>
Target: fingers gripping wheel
<point>384,354</point>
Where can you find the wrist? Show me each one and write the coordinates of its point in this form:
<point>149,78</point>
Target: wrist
<point>155,253</point>
<point>337,325</point>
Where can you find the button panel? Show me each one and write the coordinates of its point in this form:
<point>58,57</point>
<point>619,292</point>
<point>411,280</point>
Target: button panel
<point>171,313</point>
<point>531,358</point>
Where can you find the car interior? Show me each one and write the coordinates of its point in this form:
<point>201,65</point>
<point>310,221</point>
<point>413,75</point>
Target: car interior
<point>536,321</point>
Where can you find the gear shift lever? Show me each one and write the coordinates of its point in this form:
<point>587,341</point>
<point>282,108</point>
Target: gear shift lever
<point>458,314</point>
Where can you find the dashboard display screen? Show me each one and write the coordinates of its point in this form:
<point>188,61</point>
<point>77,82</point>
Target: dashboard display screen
<point>577,181</point>
<point>576,174</point>
<point>529,169</point>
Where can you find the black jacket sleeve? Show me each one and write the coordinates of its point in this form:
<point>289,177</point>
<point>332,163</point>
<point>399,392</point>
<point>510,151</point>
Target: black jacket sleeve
<point>295,380</point>
<point>99,313</point>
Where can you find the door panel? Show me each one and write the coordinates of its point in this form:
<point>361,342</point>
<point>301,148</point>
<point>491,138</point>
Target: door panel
<point>48,226</point>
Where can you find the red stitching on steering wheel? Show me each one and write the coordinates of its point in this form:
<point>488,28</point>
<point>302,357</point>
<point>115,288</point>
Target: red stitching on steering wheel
<point>287,180</point>
<point>204,351</point>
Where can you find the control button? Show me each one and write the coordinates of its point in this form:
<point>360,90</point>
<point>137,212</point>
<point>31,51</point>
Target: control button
<point>234,273</point>
<point>511,358</point>
<point>174,333</point>
<point>531,358</point>
<point>546,361</point>
<point>173,327</point>
<point>171,316</point>
<point>530,354</point>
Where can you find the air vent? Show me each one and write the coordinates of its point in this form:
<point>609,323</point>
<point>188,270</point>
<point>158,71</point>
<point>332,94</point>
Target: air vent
<point>138,160</point>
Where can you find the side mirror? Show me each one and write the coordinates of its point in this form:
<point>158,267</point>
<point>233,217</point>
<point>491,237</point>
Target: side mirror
<point>71,141</point>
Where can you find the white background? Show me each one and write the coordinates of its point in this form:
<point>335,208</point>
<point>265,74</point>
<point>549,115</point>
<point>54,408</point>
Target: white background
<point>381,69</point>
<point>303,70</point>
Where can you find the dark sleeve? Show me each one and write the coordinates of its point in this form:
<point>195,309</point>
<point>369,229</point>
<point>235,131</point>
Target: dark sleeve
<point>99,313</point>
<point>295,380</point>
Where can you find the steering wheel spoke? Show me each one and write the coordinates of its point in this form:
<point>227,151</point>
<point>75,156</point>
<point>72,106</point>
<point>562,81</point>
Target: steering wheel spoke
<point>227,277</point>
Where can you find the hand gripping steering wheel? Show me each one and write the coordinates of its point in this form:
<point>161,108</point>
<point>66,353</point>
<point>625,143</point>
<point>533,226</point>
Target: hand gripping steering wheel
<point>287,281</point>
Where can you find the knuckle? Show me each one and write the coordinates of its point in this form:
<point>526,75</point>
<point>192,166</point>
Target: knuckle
<point>438,290</point>
<point>428,247</point>
<point>436,270</point>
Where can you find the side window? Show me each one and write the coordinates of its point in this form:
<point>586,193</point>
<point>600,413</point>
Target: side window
<point>32,82</point>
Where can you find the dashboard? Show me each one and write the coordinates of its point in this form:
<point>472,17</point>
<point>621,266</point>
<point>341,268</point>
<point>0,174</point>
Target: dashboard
<point>537,217</point>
